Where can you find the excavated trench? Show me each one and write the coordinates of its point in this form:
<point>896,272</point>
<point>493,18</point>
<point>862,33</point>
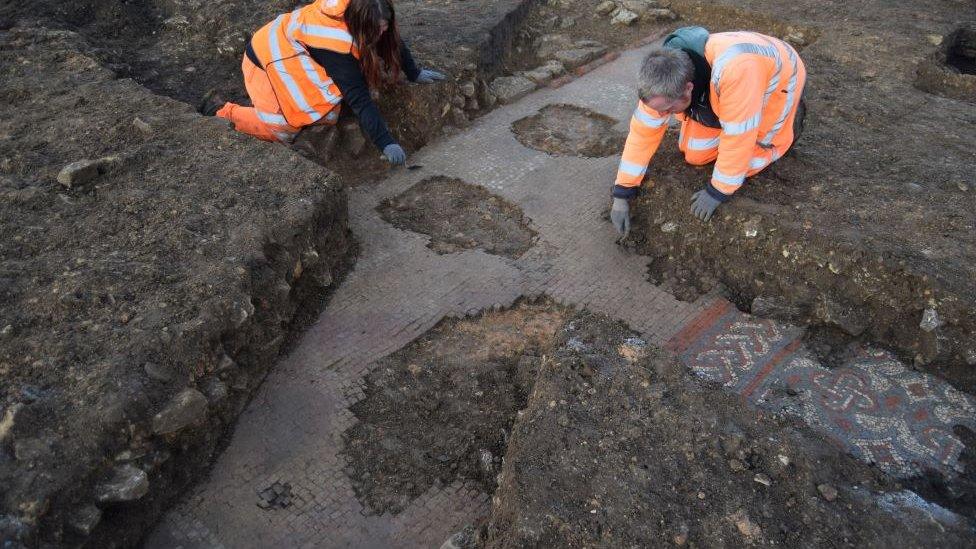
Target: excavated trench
<point>443,409</point>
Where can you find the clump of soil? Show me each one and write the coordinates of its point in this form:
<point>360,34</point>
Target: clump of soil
<point>568,130</point>
<point>678,280</point>
<point>619,447</point>
<point>460,216</point>
<point>442,408</point>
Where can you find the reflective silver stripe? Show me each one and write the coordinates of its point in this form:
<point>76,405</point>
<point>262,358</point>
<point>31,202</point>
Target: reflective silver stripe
<point>702,144</point>
<point>758,162</point>
<point>269,118</point>
<point>630,168</point>
<point>327,32</point>
<point>293,90</point>
<point>649,120</point>
<point>790,98</point>
<point>739,128</point>
<point>286,137</point>
<point>727,179</point>
<point>310,71</point>
<point>735,50</point>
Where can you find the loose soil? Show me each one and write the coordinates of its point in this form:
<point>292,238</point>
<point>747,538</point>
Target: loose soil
<point>568,130</point>
<point>442,408</point>
<point>619,447</point>
<point>460,216</point>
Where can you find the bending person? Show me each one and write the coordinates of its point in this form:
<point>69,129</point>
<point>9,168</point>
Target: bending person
<point>299,68</point>
<point>738,96</point>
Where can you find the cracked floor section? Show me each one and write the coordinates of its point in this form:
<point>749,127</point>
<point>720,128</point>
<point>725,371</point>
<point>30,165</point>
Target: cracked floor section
<point>291,435</point>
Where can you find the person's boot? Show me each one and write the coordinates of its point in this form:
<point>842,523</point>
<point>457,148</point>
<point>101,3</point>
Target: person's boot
<point>211,103</point>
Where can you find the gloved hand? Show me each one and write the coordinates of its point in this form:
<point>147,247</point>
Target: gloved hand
<point>394,154</point>
<point>428,76</point>
<point>703,205</point>
<point>620,216</point>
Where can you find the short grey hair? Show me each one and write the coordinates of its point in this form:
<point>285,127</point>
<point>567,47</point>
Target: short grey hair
<point>665,71</point>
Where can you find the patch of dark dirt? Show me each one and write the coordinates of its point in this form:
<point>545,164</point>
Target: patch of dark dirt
<point>152,263</point>
<point>962,50</point>
<point>678,280</point>
<point>852,228</point>
<point>619,446</point>
<point>460,216</point>
<point>442,408</point>
<point>568,130</point>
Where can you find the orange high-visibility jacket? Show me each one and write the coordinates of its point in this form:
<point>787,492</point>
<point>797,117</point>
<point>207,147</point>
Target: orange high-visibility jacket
<point>752,91</point>
<point>305,92</point>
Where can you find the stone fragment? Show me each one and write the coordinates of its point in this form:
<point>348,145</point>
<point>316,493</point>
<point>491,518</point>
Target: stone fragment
<point>763,479</point>
<point>85,519</point>
<point>543,74</point>
<point>142,125</point>
<point>216,390</point>
<point>7,423</point>
<point>80,173</point>
<point>549,44</point>
<point>930,320</point>
<point>828,492</point>
<point>186,408</point>
<point>849,319</point>
<point>511,88</point>
<point>579,56</point>
<point>606,7</point>
<point>639,7</point>
<point>128,483</point>
<point>624,17</point>
<point>660,14</point>
<point>934,39</point>
<point>669,227</point>
<point>744,525</point>
<point>773,307</point>
<point>467,88</point>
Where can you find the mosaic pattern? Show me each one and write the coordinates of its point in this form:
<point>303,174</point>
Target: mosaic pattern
<point>873,406</point>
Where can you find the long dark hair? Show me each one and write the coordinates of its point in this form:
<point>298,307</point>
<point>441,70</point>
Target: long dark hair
<point>379,53</point>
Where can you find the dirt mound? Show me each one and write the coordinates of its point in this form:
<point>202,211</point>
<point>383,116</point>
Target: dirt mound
<point>619,447</point>
<point>460,216</point>
<point>568,130</point>
<point>151,263</point>
<point>441,409</point>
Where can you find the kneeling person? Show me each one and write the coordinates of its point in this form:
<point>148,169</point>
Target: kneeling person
<point>738,97</point>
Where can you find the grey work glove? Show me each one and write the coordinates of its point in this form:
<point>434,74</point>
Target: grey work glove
<point>620,216</point>
<point>394,154</point>
<point>703,205</point>
<point>428,76</point>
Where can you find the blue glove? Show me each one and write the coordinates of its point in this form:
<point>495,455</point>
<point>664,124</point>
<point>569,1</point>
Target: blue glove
<point>428,76</point>
<point>703,205</point>
<point>394,154</point>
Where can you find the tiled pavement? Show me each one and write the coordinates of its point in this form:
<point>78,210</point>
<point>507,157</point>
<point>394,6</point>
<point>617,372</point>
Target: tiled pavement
<point>291,431</point>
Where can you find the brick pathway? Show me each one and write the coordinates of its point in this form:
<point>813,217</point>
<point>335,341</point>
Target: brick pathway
<point>291,432</point>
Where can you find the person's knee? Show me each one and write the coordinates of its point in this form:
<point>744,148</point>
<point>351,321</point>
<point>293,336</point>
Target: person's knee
<point>700,158</point>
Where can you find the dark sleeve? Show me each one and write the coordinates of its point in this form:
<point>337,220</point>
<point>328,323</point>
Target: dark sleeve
<point>344,70</point>
<point>407,63</point>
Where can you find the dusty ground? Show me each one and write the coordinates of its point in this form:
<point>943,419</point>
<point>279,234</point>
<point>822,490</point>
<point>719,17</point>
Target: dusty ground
<point>469,217</point>
<point>859,227</point>
<point>619,447</point>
